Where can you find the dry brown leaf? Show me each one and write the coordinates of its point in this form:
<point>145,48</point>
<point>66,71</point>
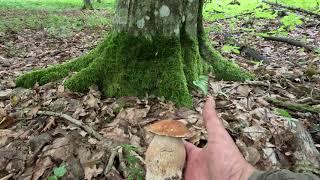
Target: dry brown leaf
<point>60,89</point>
<point>252,155</point>
<point>4,135</point>
<point>190,115</point>
<point>91,172</point>
<point>243,90</point>
<point>115,133</point>
<point>41,166</point>
<point>50,123</point>
<point>133,115</point>
<point>33,112</point>
<point>7,122</point>
<point>91,101</point>
<point>80,112</point>
<point>255,133</point>
<point>61,148</point>
<point>4,95</point>
<point>2,113</point>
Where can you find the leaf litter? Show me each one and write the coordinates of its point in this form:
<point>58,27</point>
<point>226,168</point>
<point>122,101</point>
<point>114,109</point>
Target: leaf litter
<point>32,143</point>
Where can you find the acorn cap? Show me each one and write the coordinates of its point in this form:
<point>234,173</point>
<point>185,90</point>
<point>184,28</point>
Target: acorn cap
<point>170,128</point>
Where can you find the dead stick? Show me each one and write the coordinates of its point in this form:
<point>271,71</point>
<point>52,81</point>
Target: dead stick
<point>289,41</point>
<point>292,8</point>
<point>293,106</point>
<point>85,127</point>
<point>111,160</point>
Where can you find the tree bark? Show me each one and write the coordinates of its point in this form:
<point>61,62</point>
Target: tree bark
<point>87,4</point>
<point>154,48</point>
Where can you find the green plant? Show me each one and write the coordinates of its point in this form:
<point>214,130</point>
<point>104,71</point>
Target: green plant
<point>231,49</point>
<point>135,171</point>
<point>286,115</point>
<point>202,84</point>
<point>58,172</point>
<point>290,22</point>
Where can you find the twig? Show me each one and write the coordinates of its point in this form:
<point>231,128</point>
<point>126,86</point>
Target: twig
<point>289,41</point>
<point>122,163</point>
<point>293,106</point>
<point>293,8</point>
<point>111,160</point>
<point>85,127</point>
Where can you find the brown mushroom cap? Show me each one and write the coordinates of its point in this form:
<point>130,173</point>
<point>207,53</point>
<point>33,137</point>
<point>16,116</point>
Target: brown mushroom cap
<point>170,128</point>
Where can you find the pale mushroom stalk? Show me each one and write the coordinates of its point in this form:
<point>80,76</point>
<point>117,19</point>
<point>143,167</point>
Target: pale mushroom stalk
<point>165,156</point>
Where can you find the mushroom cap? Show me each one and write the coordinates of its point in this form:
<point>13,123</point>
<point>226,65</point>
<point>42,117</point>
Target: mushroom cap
<point>170,128</point>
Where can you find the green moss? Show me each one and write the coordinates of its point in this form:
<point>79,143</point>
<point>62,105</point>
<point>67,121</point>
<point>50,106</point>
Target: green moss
<point>137,65</point>
<point>55,72</point>
<point>125,65</point>
<point>223,69</point>
<point>193,65</point>
<point>128,65</point>
<point>294,106</point>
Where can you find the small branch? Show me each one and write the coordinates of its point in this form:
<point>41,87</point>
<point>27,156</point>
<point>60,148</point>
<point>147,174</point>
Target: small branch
<point>293,106</point>
<point>289,41</point>
<point>85,127</point>
<point>111,160</point>
<point>123,165</point>
<point>293,8</point>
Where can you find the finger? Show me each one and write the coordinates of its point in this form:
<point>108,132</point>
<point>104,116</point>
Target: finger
<point>214,125</point>
<point>190,147</point>
<point>209,113</point>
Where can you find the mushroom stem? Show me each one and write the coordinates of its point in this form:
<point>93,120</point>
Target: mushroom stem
<point>165,158</point>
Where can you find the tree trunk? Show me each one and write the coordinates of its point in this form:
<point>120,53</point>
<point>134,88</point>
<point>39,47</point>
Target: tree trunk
<point>154,48</point>
<point>87,4</point>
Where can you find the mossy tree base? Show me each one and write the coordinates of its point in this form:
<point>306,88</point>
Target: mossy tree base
<point>128,65</point>
<point>156,47</point>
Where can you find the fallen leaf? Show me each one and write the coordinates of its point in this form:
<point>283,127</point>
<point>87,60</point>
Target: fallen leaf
<point>50,123</point>
<point>133,115</point>
<point>2,113</point>
<point>14,100</point>
<point>255,133</point>
<point>33,112</point>
<point>7,122</point>
<point>243,90</point>
<point>90,172</point>
<point>4,95</point>
<point>4,135</point>
<point>41,166</point>
<point>61,148</point>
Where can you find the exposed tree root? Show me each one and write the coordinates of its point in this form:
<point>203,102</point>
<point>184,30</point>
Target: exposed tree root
<point>294,106</point>
<point>124,64</point>
<point>289,41</point>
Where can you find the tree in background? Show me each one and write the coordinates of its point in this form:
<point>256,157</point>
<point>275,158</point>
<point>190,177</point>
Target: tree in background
<point>156,47</point>
<point>87,4</point>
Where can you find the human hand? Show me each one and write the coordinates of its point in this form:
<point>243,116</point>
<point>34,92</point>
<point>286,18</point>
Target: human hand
<point>220,159</point>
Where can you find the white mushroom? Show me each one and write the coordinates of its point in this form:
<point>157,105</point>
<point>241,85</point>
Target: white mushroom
<point>165,156</point>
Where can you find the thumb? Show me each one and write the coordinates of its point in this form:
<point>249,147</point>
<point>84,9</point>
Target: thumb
<point>210,116</point>
<point>190,147</point>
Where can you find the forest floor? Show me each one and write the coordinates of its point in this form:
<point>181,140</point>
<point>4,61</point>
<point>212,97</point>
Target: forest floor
<point>35,145</point>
